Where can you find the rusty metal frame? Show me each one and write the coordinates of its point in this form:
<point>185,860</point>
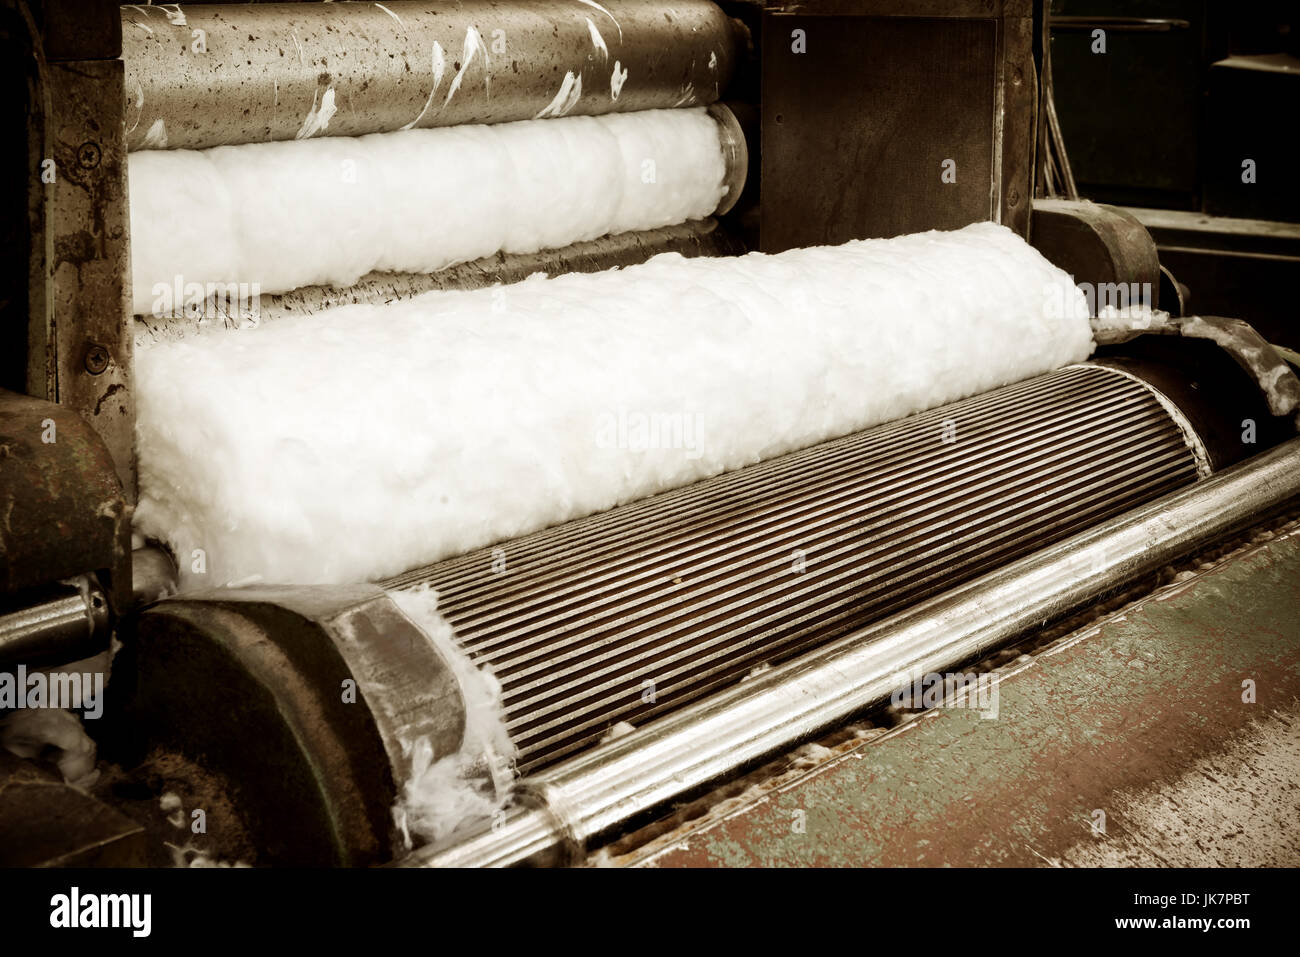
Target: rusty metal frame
<point>69,479</point>
<point>90,227</point>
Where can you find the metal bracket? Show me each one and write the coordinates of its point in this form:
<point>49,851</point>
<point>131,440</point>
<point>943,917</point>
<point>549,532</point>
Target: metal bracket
<point>1276,379</point>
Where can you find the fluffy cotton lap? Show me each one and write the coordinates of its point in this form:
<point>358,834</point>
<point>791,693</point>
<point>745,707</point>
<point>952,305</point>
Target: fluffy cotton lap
<point>366,440</point>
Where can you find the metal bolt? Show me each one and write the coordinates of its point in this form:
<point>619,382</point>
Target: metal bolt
<point>97,359</point>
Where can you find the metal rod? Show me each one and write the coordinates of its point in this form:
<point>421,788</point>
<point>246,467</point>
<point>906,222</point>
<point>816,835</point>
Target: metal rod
<point>64,628</point>
<point>593,794</point>
<point>207,75</point>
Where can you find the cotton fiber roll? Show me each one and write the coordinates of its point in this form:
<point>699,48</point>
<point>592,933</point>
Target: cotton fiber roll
<point>366,440</point>
<point>331,209</point>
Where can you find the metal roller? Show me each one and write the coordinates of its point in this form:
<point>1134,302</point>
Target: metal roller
<point>638,611</point>
<point>735,153</point>
<point>208,75</point>
<point>564,809</point>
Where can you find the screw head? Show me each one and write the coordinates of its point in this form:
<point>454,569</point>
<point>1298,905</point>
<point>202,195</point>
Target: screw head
<point>97,359</point>
<point>88,155</point>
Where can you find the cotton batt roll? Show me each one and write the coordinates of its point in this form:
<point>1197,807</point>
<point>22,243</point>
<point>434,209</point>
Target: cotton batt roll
<point>366,440</point>
<point>330,210</point>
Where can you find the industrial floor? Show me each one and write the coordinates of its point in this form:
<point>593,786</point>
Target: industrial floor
<point>1135,740</point>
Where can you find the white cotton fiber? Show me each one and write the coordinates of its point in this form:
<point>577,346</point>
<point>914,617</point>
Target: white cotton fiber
<point>332,209</point>
<point>38,732</point>
<point>444,792</point>
<point>366,440</point>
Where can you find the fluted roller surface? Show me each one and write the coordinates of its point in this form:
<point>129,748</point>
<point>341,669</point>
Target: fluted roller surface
<point>637,611</point>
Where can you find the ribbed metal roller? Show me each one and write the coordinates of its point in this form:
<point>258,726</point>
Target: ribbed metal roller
<point>637,611</point>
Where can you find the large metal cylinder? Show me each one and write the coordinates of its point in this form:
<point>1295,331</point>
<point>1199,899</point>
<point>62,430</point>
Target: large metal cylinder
<point>209,75</point>
<point>593,794</point>
<point>635,612</point>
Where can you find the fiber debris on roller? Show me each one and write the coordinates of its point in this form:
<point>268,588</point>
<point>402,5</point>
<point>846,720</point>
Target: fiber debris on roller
<point>697,238</point>
<point>427,418</point>
<point>342,70</point>
<point>448,791</point>
<point>686,592</point>
<point>279,216</point>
